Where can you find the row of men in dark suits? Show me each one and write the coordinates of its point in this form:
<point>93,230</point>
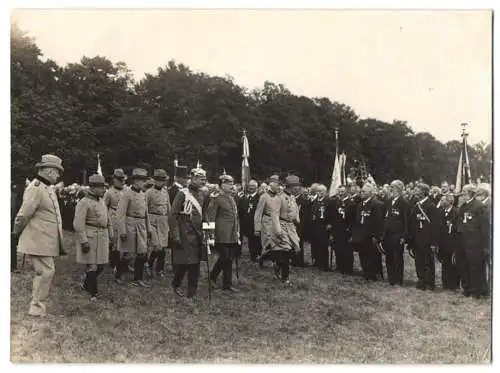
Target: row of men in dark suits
<point>454,231</point>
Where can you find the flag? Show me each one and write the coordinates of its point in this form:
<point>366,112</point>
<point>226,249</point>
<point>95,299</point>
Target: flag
<point>336,177</point>
<point>463,171</point>
<point>245,166</point>
<point>99,169</point>
<point>342,160</point>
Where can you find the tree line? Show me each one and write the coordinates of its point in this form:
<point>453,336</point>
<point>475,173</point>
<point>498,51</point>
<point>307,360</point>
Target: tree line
<point>96,106</point>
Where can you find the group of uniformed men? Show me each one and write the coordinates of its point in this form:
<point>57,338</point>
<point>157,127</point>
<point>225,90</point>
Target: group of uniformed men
<point>131,228</point>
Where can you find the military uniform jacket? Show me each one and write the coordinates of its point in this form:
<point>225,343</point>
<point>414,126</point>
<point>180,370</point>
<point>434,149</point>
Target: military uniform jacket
<point>224,212</point>
<point>39,220</point>
<point>288,218</point>
<point>449,220</point>
<point>246,210</point>
<point>172,191</point>
<point>186,225</point>
<point>93,226</point>
<point>424,225</point>
<point>397,214</point>
<point>473,225</point>
<point>133,220</point>
<point>158,202</point>
<point>368,221</point>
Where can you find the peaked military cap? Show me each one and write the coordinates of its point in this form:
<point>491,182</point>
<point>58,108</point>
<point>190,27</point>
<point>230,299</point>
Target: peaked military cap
<point>139,173</point>
<point>226,178</point>
<point>274,179</point>
<point>96,180</point>
<point>160,175</point>
<point>119,174</point>
<point>52,161</point>
<point>292,180</point>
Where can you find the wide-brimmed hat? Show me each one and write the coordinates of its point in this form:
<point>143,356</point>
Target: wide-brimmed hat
<point>52,161</point>
<point>160,175</point>
<point>119,174</point>
<point>181,172</point>
<point>140,173</point>
<point>292,180</point>
<point>96,180</point>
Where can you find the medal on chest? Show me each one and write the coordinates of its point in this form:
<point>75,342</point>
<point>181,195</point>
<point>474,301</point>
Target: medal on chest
<point>449,225</point>
<point>341,212</point>
<point>467,217</point>
<point>420,219</point>
<point>364,214</point>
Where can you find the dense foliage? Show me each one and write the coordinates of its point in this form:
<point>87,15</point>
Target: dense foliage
<point>95,106</point>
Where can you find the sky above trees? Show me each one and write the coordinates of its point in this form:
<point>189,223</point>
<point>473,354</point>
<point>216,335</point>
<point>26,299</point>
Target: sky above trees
<point>431,69</point>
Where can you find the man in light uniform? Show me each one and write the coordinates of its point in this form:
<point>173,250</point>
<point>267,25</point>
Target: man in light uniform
<point>94,234</point>
<point>134,228</point>
<point>158,202</point>
<point>111,199</point>
<point>39,228</point>
<point>263,225</point>
<point>285,219</point>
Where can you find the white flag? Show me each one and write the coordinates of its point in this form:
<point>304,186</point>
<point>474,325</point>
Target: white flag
<point>336,177</point>
<point>99,169</point>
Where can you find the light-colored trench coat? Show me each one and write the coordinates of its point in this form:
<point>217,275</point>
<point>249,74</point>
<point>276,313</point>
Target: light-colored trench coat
<point>92,225</point>
<point>133,220</point>
<point>39,220</point>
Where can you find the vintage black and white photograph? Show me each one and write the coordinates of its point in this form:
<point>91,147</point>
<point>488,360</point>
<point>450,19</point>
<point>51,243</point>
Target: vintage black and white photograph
<point>251,186</point>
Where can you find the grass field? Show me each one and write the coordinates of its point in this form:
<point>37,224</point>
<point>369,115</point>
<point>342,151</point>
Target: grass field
<point>321,318</point>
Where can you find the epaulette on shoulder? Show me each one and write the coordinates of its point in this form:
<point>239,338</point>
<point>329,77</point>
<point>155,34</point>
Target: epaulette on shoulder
<point>36,183</point>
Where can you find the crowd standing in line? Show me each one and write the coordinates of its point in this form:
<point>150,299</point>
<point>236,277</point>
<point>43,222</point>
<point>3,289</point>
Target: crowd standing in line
<point>131,229</point>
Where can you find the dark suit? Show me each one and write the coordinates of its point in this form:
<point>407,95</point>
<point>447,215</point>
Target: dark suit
<point>319,235</point>
<point>367,228</point>
<point>447,247</point>
<point>339,216</point>
<point>395,229</point>
<point>247,205</point>
<point>472,229</point>
<point>424,233</point>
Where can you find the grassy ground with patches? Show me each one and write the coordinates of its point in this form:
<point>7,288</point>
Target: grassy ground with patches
<point>321,318</point>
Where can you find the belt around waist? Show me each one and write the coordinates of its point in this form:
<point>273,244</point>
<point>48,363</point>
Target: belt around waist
<point>153,213</point>
<point>113,208</point>
<point>96,226</point>
<point>136,217</point>
<point>268,215</point>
